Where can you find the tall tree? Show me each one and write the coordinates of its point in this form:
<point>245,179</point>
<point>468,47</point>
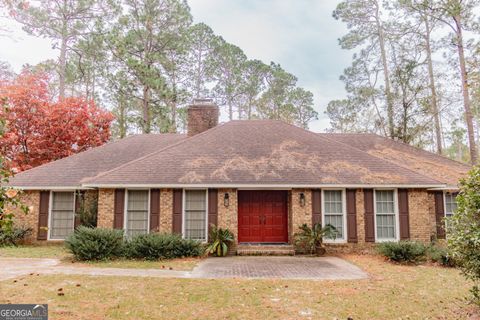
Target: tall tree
<point>63,21</point>
<point>41,130</point>
<point>140,40</point>
<point>366,28</point>
<point>459,16</point>
<point>228,67</point>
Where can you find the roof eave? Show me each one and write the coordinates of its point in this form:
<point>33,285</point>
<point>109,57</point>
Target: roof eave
<point>257,185</point>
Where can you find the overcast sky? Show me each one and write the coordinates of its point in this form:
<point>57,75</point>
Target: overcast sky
<point>301,35</point>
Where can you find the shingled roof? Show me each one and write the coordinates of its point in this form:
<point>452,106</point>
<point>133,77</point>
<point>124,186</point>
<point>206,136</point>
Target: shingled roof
<point>70,171</point>
<point>427,163</point>
<point>259,152</point>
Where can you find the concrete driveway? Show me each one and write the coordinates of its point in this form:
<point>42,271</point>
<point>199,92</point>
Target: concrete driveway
<point>308,268</point>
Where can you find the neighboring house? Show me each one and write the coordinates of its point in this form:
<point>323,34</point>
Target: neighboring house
<point>261,179</point>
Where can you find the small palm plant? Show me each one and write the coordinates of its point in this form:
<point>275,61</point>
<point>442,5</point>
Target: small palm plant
<point>219,239</point>
<point>311,239</point>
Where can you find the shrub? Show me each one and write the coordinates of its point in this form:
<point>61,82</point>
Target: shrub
<point>309,240</point>
<point>154,246</point>
<point>219,241</point>
<point>441,256</point>
<point>95,243</point>
<point>14,236</point>
<point>463,230</point>
<point>403,251</point>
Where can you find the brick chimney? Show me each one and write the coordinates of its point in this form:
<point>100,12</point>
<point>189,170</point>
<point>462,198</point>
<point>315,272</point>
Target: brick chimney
<point>202,115</point>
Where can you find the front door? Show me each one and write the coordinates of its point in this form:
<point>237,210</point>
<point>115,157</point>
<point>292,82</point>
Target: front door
<point>262,216</point>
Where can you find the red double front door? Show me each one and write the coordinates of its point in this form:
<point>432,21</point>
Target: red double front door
<point>262,216</point>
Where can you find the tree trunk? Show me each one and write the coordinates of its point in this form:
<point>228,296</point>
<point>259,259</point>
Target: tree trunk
<point>122,119</point>
<point>146,109</point>
<point>62,65</point>
<point>435,111</point>
<point>386,75</point>
<point>466,97</point>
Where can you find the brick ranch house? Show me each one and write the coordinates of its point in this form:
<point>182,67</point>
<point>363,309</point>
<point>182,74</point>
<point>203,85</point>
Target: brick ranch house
<point>261,179</point>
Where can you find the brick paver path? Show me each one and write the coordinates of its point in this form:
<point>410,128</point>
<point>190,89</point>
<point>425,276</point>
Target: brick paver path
<point>311,268</point>
<point>323,268</point>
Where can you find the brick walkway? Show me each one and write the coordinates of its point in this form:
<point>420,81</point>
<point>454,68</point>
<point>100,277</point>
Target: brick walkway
<point>324,268</point>
<point>311,268</point>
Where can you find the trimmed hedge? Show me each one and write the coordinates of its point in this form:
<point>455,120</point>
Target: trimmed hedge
<point>403,251</point>
<point>101,244</point>
<point>95,243</point>
<point>154,246</point>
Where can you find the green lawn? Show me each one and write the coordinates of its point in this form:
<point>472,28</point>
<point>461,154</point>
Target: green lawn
<point>59,252</point>
<point>391,292</point>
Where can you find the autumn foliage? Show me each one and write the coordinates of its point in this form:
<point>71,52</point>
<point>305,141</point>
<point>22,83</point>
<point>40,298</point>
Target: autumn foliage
<point>40,129</point>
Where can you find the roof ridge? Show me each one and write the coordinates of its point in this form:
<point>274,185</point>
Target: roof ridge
<point>150,154</point>
<point>385,160</point>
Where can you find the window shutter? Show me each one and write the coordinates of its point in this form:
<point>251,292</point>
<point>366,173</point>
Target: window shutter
<point>352,216</point>
<point>212,207</point>
<point>403,214</point>
<point>440,214</point>
<point>43,215</point>
<point>369,215</point>
<point>316,206</point>
<point>155,210</point>
<point>177,211</point>
<point>119,208</point>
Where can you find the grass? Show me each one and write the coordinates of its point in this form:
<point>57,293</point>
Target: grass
<point>59,252</point>
<point>391,292</point>
<point>44,251</point>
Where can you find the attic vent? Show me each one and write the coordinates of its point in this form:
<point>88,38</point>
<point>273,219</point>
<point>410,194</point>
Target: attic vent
<point>202,115</point>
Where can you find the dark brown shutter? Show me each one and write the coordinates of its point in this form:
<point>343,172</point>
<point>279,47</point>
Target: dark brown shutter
<point>212,207</point>
<point>43,215</point>
<point>369,215</point>
<point>440,214</point>
<point>403,214</point>
<point>352,215</point>
<point>119,208</point>
<point>155,210</point>
<point>316,206</point>
<point>177,211</point>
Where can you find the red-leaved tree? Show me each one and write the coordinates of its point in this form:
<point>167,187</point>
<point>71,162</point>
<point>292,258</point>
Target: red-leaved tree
<point>39,129</point>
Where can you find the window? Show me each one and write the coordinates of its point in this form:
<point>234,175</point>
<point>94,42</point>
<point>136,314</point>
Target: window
<point>334,212</point>
<point>62,215</point>
<point>450,204</point>
<point>195,217</point>
<point>385,215</point>
<point>137,212</point>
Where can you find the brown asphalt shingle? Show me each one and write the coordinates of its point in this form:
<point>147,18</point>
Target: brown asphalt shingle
<point>70,171</point>
<point>259,152</point>
<point>427,163</point>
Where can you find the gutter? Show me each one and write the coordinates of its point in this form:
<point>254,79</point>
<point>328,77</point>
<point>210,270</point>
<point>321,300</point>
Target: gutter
<point>263,186</point>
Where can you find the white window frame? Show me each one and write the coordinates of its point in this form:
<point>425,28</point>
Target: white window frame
<point>344,212</point>
<point>125,206</point>
<point>395,209</point>
<point>446,215</point>
<point>50,206</point>
<point>206,211</point>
